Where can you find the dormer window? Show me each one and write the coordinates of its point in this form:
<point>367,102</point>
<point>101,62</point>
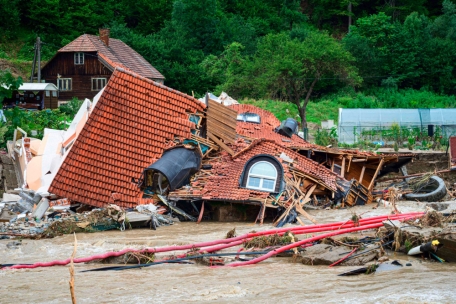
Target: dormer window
<point>262,172</point>
<point>262,176</point>
<point>249,117</point>
<point>78,58</point>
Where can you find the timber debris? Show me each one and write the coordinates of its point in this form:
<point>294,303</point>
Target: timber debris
<point>209,160</point>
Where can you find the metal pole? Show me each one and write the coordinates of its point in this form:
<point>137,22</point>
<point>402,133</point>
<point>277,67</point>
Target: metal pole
<point>38,45</point>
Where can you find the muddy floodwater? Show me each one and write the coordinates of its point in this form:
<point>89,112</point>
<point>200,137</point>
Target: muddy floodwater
<point>276,280</point>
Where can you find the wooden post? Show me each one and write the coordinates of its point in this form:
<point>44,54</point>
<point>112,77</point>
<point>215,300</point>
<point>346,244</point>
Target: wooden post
<point>362,175</point>
<point>342,171</point>
<point>349,162</point>
<point>371,185</point>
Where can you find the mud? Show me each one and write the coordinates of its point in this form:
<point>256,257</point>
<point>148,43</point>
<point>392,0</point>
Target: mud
<point>276,280</point>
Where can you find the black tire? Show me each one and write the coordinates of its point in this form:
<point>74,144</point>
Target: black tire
<point>435,194</point>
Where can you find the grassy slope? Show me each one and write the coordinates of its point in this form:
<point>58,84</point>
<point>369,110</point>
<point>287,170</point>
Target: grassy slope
<point>328,107</point>
<point>316,111</point>
<point>16,55</point>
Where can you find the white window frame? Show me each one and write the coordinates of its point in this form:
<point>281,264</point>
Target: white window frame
<point>99,80</point>
<point>78,58</point>
<point>48,93</point>
<point>262,177</point>
<point>245,117</point>
<point>65,84</point>
<point>54,93</point>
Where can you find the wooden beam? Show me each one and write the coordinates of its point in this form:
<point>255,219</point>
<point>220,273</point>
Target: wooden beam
<point>308,194</point>
<point>342,170</point>
<point>371,185</point>
<point>305,214</point>
<point>359,160</point>
<point>220,143</point>
<point>362,174</point>
<point>349,162</point>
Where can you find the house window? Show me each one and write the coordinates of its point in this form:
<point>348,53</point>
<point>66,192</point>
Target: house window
<point>78,58</point>
<point>98,83</point>
<point>64,84</point>
<point>262,176</point>
<point>54,93</point>
<point>48,93</point>
<point>249,117</point>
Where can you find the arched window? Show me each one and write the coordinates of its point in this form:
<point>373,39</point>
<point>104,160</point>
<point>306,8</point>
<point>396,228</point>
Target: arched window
<point>262,176</point>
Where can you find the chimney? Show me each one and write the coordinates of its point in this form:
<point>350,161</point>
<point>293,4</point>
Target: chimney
<point>104,35</point>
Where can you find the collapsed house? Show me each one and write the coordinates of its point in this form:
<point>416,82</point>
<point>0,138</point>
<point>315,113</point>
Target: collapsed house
<point>142,142</point>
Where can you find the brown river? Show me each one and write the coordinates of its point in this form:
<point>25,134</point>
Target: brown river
<point>276,280</point>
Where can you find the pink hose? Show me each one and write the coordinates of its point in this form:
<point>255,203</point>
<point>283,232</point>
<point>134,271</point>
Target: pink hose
<point>226,243</point>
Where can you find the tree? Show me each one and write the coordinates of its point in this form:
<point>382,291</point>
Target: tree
<point>289,69</point>
<point>10,14</point>
<point>8,84</point>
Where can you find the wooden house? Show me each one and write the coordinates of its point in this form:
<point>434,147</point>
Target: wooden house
<point>33,96</point>
<point>83,67</point>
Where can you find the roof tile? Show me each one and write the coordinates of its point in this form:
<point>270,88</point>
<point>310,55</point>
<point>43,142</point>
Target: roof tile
<point>110,151</point>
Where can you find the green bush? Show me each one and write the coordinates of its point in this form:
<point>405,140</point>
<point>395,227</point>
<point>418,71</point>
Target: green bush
<point>326,137</point>
<point>72,107</point>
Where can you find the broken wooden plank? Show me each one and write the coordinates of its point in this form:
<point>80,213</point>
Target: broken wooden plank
<point>305,214</point>
<point>176,209</point>
<point>220,143</point>
<point>371,185</point>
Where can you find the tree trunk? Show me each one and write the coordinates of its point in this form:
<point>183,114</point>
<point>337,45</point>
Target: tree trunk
<point>302,109</point>
<point>302,113</point>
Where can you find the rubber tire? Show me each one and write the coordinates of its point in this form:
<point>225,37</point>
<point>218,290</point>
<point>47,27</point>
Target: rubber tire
<point>433,196</point>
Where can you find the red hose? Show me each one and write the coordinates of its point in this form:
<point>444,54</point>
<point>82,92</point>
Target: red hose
<point>342,259</point>
<point>293,245</point>
<point>226,243</point>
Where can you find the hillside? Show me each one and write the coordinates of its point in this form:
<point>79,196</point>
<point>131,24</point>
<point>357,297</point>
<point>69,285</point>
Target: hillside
<point>396,53</point>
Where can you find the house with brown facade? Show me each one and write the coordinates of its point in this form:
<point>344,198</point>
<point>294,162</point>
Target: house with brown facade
<point>84,66</point>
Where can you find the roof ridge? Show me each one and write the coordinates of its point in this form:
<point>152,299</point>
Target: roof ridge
<point>87,35</point>
<point>252,145</point>
<point>157,84</point>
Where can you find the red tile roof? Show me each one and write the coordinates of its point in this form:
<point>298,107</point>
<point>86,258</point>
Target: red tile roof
<point>117,53</point>
<point>226,171</point>
<point>130,126</point>
<point>265,129</point>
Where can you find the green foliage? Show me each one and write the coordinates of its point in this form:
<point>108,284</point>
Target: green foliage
<point>72,107</point>
<point>3,131</point>
<point>325,137</point>
<point>10,15</point>
<point>414,54</point>
<point>8,84</point>
<point>33,120</point>
<point>284,68</point>
<point>397,45</point>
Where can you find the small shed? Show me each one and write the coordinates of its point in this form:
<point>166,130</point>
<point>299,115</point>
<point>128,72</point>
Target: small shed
<point>35,96</point>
